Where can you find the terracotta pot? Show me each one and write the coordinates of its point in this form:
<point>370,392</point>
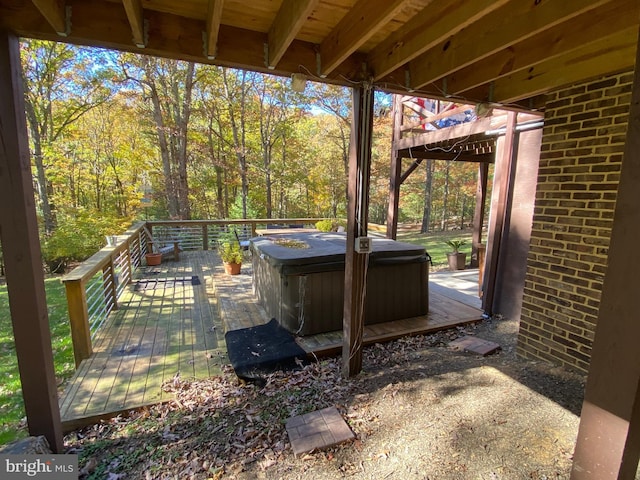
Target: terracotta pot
<point>232,268</point>
<point>457,261</point>
<point>153,259</point>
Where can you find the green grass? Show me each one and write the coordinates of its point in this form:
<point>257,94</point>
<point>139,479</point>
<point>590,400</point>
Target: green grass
<point>12,412</point>
<point>435,243</point>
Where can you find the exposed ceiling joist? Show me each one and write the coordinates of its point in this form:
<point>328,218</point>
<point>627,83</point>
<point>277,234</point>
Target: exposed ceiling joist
<point>436,23</point>
<point>290,19</point>
<point>214,15</point>
<point>55,12</point>
<point>549,44</point>
<point>136,20</point>
<point>465,51</point>
<point>613,54</point>
<point>512,23</point>
<point>360,24</point>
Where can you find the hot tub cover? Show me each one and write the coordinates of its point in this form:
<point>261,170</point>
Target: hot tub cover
<point>329,248</point>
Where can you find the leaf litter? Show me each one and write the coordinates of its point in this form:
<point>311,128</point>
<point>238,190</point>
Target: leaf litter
<point>419,410</point>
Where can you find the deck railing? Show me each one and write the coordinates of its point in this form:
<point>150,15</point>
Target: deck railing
<point>94,287</point>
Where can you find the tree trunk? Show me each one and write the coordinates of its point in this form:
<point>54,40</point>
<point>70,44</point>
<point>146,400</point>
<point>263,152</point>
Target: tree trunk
<point>170,193</point>
<point>42,183</point>
<point>239,135</point>
<point>182,122</point>
<point>266,158</point>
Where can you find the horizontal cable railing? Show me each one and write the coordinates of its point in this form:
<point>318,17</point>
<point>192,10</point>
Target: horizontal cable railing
<point>94,287</point>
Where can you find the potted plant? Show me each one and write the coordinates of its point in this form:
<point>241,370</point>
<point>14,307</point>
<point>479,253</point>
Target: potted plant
<point>231,255</point>
<point>456,258</point>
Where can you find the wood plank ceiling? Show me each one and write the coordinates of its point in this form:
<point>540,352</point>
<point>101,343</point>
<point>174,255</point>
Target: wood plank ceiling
<point>500,51</point>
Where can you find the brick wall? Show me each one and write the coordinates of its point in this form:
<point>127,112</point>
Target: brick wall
<point>582,146</point>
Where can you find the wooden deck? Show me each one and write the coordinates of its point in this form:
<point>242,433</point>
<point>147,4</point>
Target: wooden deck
<point>165,326</point>
<point>172,321</point>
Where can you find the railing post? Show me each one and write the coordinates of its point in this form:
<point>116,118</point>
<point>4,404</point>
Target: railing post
<point>205,236</point>
<point>79,319</point>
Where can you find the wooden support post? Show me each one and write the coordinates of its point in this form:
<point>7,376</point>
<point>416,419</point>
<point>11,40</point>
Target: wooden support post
<point>478,215</point>
<point>79,320</point>
<point>22,255</point>
<point>501,186</point>
<point>396,170</point>
<point>357,218</point>
<point>608,445</point>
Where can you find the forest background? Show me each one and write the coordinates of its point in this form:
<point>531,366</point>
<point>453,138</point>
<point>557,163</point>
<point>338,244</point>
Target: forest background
<point>117,137</point>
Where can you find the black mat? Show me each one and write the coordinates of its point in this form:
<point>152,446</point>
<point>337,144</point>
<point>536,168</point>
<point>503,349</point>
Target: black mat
<point>260,350</point>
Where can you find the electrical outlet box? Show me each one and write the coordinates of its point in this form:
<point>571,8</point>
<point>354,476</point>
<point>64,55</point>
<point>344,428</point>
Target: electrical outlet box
<point>363,245</point>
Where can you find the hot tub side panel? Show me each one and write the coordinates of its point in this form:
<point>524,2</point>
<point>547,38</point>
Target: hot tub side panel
<point>267,286</point>
<point>396,291</point>
<point>313,303</point>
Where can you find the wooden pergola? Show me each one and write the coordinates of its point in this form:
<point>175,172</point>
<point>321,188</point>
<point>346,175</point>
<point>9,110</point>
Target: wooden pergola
<point>504,52</point>
<point>426,129</point>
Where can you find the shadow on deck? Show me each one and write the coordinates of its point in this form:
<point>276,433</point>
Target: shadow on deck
<point>172,321</point>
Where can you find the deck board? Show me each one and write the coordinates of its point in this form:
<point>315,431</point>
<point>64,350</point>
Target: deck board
<point>163,329</point>
<point>170,327</point>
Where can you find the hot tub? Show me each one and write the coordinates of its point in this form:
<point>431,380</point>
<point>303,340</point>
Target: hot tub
<point>303,288</point>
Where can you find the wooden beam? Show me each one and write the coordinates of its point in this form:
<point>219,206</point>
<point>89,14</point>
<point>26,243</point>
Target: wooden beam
<point>290,18</point>
<point>611,54</point>
<point>214,16</point>
<point>54,11</point>
<point>412,168</point>
<point>359,25</point>
<point>514,22</point>
<point>608,444</point>
<point>501,188</point>
<point>449,133</point>
<point>357,219</point>
<point>174,37</point>
<point>551,43</point>
<point>433,25</point>
<point>133,8</point>
<point>22,255</point>
<point>423,154</point>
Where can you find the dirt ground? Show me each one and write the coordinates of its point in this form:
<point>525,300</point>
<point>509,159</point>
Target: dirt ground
<point>419,410</point>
